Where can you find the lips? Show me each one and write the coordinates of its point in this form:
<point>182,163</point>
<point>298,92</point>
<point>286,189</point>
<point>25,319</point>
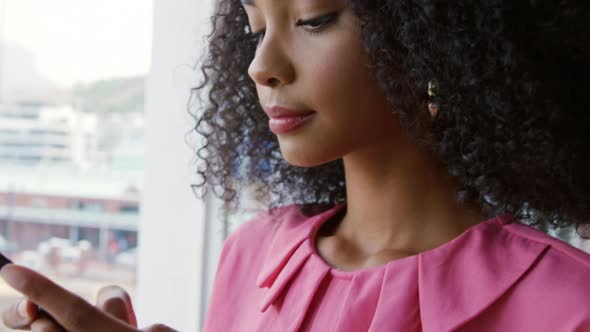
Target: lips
<point>283,120</point>
<point>281,112</point>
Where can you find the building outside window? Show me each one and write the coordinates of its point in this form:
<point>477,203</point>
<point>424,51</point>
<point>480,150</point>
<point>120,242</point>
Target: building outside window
<point>72,108</point>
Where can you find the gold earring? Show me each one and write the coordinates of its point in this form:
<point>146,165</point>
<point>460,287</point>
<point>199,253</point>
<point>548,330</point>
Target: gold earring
<point>433,102</point>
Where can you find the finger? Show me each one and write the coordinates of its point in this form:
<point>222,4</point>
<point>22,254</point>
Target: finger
<point>19,315</point>
<point>45,325</point>
<point>115,301</point>
<point>158,328</point>
<point>69,310</point>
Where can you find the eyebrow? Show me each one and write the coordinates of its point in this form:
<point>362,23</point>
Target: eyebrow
<point>248,2</point>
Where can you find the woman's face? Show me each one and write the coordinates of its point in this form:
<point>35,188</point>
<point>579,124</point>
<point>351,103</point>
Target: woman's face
<point>310,58</point>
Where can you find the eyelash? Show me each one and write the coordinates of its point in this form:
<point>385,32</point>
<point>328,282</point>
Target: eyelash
<point>323,22</point>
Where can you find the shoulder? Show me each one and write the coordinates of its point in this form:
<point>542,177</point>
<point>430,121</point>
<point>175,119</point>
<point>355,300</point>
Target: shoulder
<point>567,255</point>
<point>239,262</point>
<point>244,250</point>
<point>252,237</point>
<point>561,275</point>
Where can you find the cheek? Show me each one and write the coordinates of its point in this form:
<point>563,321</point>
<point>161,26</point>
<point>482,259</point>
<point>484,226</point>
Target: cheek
<point>347,95</point>
<point>334,80</point>
<point>342,78</point>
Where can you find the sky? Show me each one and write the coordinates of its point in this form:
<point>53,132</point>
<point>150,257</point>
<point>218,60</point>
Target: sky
<point>79,40</point>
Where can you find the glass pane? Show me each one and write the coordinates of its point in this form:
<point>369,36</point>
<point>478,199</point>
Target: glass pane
<point>72,77</point>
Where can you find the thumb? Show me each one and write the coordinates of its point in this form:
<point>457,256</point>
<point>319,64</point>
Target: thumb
<point>115,301</point>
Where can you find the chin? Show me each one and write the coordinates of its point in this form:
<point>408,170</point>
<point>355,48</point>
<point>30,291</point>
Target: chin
<point>299,162</point>
<point>302,157</point>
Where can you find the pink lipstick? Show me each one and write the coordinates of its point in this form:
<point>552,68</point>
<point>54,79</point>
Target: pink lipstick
<point>283,120</point>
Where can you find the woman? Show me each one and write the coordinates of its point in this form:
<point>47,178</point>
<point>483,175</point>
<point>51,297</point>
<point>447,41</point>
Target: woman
<point>401,147</point>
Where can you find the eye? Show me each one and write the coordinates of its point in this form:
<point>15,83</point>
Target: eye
<point>254,36</point>
<point>314,25</point>
<point>317,24</point>
<point>258,36</point>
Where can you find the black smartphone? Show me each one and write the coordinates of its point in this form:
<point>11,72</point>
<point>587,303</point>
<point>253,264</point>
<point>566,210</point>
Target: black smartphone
<point>40,312</point>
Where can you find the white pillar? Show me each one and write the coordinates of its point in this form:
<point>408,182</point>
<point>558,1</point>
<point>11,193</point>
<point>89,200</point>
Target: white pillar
<point>171,229</point>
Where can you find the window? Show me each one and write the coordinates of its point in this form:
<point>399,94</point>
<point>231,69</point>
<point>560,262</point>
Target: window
<point>72,99</point>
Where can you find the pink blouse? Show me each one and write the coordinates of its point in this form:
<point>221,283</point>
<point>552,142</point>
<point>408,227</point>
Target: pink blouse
<point>498,275</point>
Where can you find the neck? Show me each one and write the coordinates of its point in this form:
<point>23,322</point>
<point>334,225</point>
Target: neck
<point>399,198</point>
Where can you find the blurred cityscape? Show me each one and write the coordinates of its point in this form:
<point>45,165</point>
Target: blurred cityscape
<point>70,182</point>
<point>72,139</point>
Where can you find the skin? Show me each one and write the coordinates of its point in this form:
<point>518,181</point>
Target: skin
<point>113,311</point>
<point>400,201</point>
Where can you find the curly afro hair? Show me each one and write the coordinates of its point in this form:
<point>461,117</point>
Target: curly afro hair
<point>513,127</point>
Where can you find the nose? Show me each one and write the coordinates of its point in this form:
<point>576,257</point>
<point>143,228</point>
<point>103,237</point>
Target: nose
<point>271,65</point>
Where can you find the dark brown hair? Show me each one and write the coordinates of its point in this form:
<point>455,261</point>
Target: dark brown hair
<point>514,123</point>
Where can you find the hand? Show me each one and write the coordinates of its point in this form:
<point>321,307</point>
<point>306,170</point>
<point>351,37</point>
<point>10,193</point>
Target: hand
<point>111,299</point>
<point>113,313</point>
